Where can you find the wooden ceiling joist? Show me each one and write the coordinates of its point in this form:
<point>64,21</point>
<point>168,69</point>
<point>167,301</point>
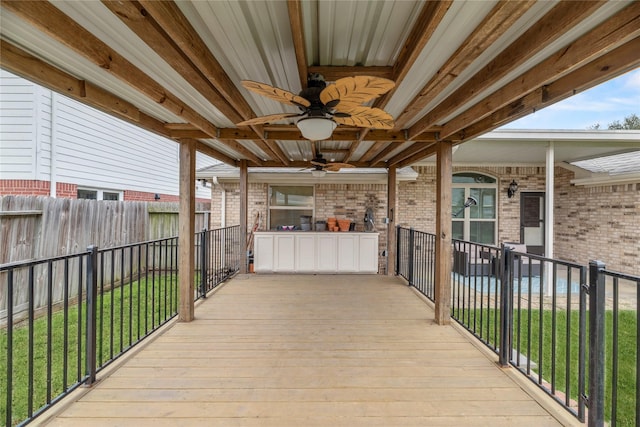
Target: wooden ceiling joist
<point>555,23</point>
<point>24,64</point>
<point>49,19</point>
<point>606,36</point>
<point>499,20</point>
<point>613,64</point>
<point>137,18</point>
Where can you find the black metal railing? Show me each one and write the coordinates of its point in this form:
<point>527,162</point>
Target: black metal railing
<point>536,313</point>
<point>416,259</point>
<point>218,257</point>
<point>68,317</point>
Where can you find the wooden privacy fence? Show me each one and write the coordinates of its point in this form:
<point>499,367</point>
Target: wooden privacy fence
<point>35,227</point>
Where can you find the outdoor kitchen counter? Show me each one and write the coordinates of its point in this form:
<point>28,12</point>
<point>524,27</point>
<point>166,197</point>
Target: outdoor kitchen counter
<point>315,252</point>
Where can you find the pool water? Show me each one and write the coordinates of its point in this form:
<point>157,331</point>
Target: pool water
<point>489,284</point>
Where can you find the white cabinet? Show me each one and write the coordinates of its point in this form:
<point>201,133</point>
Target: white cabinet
<point>348,252</point>
<point>284,246</point>
<point>305,259</point>
<point>326,254</point>
<point>263,245</point>
<point>368,253</point>
<point>315,252</point>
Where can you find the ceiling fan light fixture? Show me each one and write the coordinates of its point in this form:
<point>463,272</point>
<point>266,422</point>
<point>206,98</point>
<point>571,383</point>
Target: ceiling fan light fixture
<point>316,128</point>
<point>318,173</point>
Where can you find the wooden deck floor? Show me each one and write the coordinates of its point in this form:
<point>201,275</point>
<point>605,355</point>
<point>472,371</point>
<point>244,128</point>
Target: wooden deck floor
<point>308,351</point>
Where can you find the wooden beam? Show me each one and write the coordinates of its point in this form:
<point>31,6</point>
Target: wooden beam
<point>495,24</point>
<point>53,22</point>
<point>137,18</point>
<point>409,151</point>
<point>372,151</point>
<point>170,18</point>
<point>187,230</point>
<point>443,234</point>
<point>613,64</point>
<point>210,151</point>
<point>384,153</point>
<point>430,18</point>
<point>31,68</point>
<point>392,202</point>
<point>331,74</point>
<point>297,33</point>
<point>549,28</point>
<point>615,31</point>
<point>416,157</point>
<point>244,206</point>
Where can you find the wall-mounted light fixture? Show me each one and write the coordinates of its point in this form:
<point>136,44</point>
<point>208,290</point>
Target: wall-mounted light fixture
<point>156,197</point>
<point>203,182</point>
<point>513,187</point>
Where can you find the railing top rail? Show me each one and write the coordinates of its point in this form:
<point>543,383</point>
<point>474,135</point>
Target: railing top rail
<point>129,245</point>
<point>32,262</point>
<point>623,276</point>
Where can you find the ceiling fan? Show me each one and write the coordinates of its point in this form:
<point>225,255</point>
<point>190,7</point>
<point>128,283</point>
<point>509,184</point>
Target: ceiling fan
<point>319,163</point>
<point>324,106</point>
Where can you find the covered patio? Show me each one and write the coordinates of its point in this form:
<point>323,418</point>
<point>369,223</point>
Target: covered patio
<point>273,350</point>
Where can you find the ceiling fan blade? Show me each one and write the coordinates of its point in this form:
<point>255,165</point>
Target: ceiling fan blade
<point>266,119</point>
<point>367,117</point>
<point>354,91</point>
<point>335,167</point>
<point>315,162</point>
<point>276,94</point>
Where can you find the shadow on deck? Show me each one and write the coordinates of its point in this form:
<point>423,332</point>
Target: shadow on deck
<point>269,350</point>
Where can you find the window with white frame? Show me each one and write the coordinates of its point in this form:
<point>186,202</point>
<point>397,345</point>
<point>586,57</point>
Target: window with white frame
<point>94,194</point>
<point>287,203</point>
<point>476,223</point>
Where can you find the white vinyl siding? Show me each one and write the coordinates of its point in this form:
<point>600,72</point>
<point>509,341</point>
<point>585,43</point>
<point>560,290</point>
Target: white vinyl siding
<point>17,128</point>
<point>92,149</point>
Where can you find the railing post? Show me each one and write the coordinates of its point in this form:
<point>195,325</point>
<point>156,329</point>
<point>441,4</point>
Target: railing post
<point>91,313</point>
<point>506,283</point>
<point>411,254</point>
<point>398,246</point>
<point>596,343</point>
<point>203,263</point>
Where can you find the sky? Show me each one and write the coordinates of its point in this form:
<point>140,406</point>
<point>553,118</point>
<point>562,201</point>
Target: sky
<point>602,104</point>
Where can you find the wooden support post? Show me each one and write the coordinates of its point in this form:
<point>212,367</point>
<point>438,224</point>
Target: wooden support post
<point>443,233</point>
<point>244,201</point>
<point>187,230</point>
<point>391,226</point>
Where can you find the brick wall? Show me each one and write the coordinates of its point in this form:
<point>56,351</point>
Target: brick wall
<point>590,222</point>
<point>600,223</point>
<point>331,200</point>
<point>24,187</point>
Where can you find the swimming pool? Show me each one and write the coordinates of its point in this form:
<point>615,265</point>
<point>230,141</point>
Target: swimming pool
<point>488,284</point>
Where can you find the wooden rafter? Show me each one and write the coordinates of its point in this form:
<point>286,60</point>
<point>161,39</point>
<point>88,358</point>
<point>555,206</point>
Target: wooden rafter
<point>409,151</point>
<point>613,64</point>
<point>555,23</point>
<point>52,21</point>
<point>168,16</point>
<point>430,17</point>
<point>332,74</point>
<point>495,24</point>
<point>26,65</point>
<point>297,33</point>
<point>606,36</point>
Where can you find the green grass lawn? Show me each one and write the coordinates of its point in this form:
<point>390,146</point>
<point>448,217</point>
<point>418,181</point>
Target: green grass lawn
<point>130,312</point>
<point>564,374</point>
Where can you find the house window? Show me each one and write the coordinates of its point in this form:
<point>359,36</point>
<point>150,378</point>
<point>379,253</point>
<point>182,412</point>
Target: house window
<point>88,194</point>
<point>288,203</point>
<point>475,223</point>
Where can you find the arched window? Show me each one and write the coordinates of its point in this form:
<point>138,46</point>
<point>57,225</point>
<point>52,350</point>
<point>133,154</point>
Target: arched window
<point>476,223</point>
